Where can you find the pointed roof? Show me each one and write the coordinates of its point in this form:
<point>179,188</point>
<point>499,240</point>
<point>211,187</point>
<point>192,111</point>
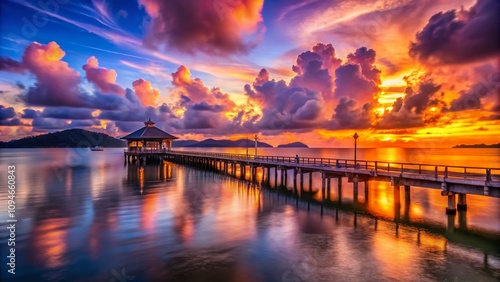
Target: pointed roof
<point>149,131</point>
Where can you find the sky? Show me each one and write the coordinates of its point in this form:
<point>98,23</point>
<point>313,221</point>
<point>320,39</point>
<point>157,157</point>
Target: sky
<point>400,73</point>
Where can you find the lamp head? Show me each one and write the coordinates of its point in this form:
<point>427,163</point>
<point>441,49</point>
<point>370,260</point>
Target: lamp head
<point>355,136</point>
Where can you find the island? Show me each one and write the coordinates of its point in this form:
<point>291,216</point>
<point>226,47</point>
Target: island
<point>293,145</point>
<point>183,143</point>
<point>207,143</point>
<point>478,146</point>
<point>70,138</point>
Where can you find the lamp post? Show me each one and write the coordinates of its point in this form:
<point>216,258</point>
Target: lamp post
<point>355,136</point>
<point>247,145</point>
<point>255,144</point>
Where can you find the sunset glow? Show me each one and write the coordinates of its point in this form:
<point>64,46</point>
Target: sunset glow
<point>314,71</point>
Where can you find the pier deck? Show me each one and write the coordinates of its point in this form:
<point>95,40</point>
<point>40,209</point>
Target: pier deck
<point>451,180</point>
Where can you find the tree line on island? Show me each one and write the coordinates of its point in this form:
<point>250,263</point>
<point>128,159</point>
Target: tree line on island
<point>478,146</point>
<point>78,138</point>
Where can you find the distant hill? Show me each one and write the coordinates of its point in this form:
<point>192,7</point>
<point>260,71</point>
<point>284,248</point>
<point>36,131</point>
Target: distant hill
<point>478,146</point>
<point>70,138</point>
<point>183,143</point>
<point>293,145</point>
<point>224,143</point>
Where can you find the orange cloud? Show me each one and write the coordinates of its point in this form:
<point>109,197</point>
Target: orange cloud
<point>145,92</point>
<point>215,27</point>
<point>57,83</point>
<point>102,78</point>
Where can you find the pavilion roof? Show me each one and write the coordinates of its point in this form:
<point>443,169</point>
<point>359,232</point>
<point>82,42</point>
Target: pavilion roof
<point>149,132</point>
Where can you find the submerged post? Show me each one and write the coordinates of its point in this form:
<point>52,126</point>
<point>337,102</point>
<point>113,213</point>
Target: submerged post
<point>355,184</point>
<point>339,188</point>
<point>286,177</point>
<point>407,194</point>
<point>301,181</point>
<point>462,202</point>
<point>295,181</point>
<point>328,188</point>
<point>451,208</point>
<point>396,192</point>
<point>310,181</point>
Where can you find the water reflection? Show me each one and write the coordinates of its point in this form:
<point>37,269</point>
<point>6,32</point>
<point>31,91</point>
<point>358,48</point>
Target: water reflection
<point>83,221</point>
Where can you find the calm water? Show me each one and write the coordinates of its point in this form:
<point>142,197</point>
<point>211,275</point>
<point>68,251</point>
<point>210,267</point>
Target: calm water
<point>85,216</point>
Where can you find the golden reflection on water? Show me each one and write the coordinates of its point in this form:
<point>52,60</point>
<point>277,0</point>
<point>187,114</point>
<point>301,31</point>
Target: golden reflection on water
<point>98,179</point>
<point>141,178</point>
<point>49,244</point>
<point>150,208</point>
<point>200,210</point>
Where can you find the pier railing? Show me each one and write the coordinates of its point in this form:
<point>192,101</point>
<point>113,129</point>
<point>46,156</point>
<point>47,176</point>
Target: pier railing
<point>446,171</point>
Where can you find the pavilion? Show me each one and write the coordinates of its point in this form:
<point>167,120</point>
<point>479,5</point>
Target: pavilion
<point>149,138</point>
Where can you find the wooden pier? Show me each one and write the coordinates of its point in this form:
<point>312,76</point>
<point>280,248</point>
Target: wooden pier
<point>450,180</point>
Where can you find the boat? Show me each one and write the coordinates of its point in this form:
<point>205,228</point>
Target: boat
<point>96,148</point>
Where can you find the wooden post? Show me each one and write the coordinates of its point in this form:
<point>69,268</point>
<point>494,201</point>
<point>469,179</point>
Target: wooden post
<point>252,173</point>
<point>462,219</point>
<point>310,181</point>
<point>462,202</point>
<point>397,198</point>
<point>339,188</point>
<point>451,208</point>
<point>355,191</point>
<point>269,175</point>
<point>286,177</point>
<point>275,176</point>
<point>328,188</point>
<point>301,181</point>
<point>407,193</point>
<point>355,184</point>
<point>295,181</point>
<point>322,190</point>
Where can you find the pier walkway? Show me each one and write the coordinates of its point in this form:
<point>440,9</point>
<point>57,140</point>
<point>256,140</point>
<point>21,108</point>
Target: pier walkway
<point>451,180</point>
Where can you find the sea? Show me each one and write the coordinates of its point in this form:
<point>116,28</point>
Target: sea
<point>89,216</point>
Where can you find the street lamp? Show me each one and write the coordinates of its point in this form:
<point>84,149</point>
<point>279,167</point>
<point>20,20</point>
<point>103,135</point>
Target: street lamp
<point>256,144</point>
<point>247,145</point>
<point>355,136</point>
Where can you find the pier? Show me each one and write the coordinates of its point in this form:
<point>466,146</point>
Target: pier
<point>454,182</point>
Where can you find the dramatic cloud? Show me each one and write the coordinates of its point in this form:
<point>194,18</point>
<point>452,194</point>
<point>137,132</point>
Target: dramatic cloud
<point>202,108</point>
<point>284,106</point>
<point>349,116</point>
<point>83,123</point>
<point>67,113</point>
<point>462,36</point>
<point>6,113</point>
<point>359,78</point>
<point>102,78</point>
<point>145,92</point>
<point>29,114</point>
<point>351,82</point>
<point>315,69</point>
<point>57,84</point>
<point>366,59</point>
<point>111,128</point>
<point>322,87</point>
<point>41,124</point>
<point>356,88</point>
<point>10,65</point>
<point>7,117</point>
<point>417,108</point>
<point>215,27</point>
<point>11,122</point>
<point>486,86</point>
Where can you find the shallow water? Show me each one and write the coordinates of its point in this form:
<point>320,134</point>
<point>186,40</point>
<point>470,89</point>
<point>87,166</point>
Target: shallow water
<point>85,216</point>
